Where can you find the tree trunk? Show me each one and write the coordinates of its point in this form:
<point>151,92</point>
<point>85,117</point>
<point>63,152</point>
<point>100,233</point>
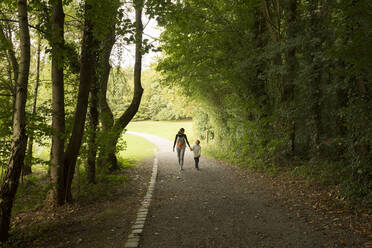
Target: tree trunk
<point>27,168</point>
<point>342,102</point>
<point>93,123</point>
<point>86,77</point>
<point>289,86</point>
<point>58,105</point>
<point>11,179</point>
<point>315,65</point>
<point>107,117</point>
<point>128,115</point>
<point>273,19</point>
<point>259,88</point>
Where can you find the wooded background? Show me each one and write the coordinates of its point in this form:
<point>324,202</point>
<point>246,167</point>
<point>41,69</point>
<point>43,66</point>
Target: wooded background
<point>279,83</point>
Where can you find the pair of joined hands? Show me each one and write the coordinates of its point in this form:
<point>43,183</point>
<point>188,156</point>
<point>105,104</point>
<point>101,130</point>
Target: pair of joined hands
<point>189,148</point>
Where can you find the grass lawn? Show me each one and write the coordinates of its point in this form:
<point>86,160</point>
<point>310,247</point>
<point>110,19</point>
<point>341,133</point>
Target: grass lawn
<point>165,129</point>
<point>137,148</point>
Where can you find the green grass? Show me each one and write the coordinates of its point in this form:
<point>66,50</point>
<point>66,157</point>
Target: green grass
<point>137,148</point>
<point>165,129</point>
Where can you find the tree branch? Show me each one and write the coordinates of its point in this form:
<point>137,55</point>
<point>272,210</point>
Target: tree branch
<point>31,26</point>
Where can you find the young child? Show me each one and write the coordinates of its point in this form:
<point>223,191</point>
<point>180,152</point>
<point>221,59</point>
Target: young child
<point>197,150</point>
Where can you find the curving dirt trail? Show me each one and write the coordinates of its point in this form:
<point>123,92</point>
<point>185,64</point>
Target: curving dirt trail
<point>223,206</point>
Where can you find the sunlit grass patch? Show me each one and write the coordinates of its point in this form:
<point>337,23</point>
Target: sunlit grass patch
<point>165,129</point>
<point>137,148</point>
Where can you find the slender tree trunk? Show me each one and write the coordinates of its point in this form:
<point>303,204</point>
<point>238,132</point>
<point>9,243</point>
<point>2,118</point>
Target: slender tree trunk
<point>11,179</point>
<point>87,72</point>
<point>106,117</point>
<point>315,80</point>
<point>27,168</point>
<point>138,90</point>
<point>128,115</point>
<point>258,30</point>
<point>288,91</point>
<point>58,105</point>
<point>273,19</point>
<point>93,123</point>
<point>342,102</point>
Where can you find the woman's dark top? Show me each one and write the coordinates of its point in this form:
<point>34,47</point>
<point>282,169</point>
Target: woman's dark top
<point>180,140</point>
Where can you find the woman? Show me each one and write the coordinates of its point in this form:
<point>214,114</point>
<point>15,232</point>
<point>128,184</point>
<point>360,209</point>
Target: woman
<point>181,140</point>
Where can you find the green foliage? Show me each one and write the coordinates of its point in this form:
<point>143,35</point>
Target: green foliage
<point>102,190</point>
<point>275,95</point>
<point>158,102</point>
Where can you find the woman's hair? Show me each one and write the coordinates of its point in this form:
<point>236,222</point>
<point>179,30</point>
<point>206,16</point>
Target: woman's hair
<point>182,130</point>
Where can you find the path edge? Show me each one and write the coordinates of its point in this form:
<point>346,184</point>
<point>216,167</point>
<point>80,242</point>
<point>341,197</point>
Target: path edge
<point>134,237</point>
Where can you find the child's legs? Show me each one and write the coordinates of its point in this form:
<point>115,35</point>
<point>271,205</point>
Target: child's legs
<point>196,162</point>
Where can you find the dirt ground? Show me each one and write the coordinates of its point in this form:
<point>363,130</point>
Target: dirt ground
<point>98,224</point>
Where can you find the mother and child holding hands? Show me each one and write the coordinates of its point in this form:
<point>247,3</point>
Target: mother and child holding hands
<point>180,141</point>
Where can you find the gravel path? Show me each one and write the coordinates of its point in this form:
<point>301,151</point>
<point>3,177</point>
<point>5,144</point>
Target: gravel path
<point>221,206</point>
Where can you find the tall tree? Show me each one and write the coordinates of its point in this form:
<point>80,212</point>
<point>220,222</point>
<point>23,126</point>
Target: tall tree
<point>92,131</point>
<point>27,168</point>
<point>118,125</point>
<point>87,72</point>
<point>287,96</point>
<point>315,40</point>
<point>106,115</point>
<point>10,182</point>
<point>58,104</point>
